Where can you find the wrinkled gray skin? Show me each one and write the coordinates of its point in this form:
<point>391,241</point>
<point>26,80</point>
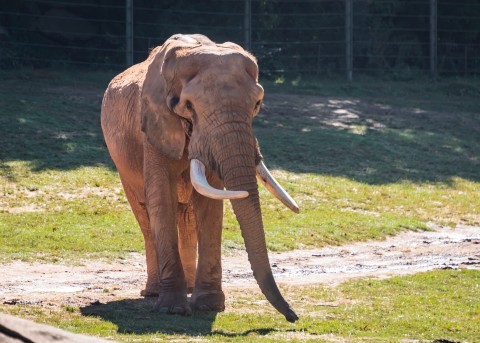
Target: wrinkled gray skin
<point>191,98</point>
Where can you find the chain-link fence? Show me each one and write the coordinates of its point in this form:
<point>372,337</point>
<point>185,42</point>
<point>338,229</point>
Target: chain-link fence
<point>402,39</point>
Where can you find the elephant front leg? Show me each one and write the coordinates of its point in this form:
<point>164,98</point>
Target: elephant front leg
<point>161,198</point>
<point>207,294</point>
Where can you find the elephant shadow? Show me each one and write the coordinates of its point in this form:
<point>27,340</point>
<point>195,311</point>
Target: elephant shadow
<point>138,316</point>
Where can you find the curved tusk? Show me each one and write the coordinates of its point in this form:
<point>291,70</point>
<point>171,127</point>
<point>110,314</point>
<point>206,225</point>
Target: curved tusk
<point>200,183</point>
<point>264,176</point>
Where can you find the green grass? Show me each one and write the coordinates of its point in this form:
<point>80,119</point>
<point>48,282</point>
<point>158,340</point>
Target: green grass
<point>364,160</point>
<point>402,93</point>
<point>436,306</point>
<point>56,214</point>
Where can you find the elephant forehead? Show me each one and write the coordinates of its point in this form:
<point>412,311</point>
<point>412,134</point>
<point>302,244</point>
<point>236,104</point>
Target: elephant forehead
<point>211,51</point>
<point>205,57</point>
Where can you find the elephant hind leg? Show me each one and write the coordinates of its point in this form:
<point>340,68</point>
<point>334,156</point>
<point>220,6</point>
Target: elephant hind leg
<point>137,203</point>
<point>187,242</point>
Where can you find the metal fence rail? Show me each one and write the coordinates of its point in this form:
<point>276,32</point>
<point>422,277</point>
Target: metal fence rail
<point>402,39</point>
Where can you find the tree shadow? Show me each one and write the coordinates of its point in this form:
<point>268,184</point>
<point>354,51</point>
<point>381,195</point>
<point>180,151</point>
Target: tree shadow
<point>55,124</point>
<point>52,122</point>
<point>138,316</point>
<point>367,141</point>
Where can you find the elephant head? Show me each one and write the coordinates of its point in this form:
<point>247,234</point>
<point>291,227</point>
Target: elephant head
<point>202,98</point>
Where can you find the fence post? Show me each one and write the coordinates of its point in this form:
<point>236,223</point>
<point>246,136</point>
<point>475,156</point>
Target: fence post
<point>129,32</point>
<point>433,37</point>
<point>247,25</point>
<point>349,39</point>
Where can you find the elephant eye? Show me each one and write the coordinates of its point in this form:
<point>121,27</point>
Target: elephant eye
<point>189,105</point>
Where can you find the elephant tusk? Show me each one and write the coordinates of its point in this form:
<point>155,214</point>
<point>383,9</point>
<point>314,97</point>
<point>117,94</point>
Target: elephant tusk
<point>200,183</point>
<point>265,177</point>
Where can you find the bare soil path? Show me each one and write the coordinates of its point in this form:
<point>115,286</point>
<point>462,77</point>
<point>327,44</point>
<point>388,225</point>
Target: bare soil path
<point>407,253</point>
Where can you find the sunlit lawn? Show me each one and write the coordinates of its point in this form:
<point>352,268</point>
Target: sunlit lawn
<point>439,306</point>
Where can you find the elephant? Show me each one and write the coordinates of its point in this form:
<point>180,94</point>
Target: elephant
<point>178,127</point>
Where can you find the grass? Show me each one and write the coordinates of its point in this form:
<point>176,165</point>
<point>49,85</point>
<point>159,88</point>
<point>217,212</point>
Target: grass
<point>60,214</point>
<point>364,160</point>
<point>437,306</point>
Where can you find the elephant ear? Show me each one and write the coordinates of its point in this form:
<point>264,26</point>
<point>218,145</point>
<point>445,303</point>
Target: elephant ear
<point>163,128</point>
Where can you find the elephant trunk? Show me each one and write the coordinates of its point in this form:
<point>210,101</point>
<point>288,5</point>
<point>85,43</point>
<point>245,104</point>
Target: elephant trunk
<point>236,163</point>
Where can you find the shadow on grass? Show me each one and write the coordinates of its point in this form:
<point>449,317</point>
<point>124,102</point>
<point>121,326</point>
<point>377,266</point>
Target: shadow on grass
<point>52,121</point>
<point>55,124</point>
<point>367,141</point>
<point>138,316</point>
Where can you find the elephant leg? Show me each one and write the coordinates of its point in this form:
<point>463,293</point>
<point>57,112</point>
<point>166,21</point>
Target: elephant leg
<point>137,203</point>
<point>161,177</point>
<point>187,243</point>
<point>208,294</point>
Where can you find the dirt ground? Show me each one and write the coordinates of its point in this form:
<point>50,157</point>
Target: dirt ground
<point>94,281</point>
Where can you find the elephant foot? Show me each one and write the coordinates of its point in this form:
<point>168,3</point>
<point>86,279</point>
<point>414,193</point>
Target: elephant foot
<point>173,303</point>
<point>208,301</point>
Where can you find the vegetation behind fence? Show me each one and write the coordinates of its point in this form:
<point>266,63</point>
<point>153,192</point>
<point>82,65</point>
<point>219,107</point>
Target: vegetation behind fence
<point>402,39</point>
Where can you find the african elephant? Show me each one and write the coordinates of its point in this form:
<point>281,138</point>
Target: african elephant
<point>178,127</point>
